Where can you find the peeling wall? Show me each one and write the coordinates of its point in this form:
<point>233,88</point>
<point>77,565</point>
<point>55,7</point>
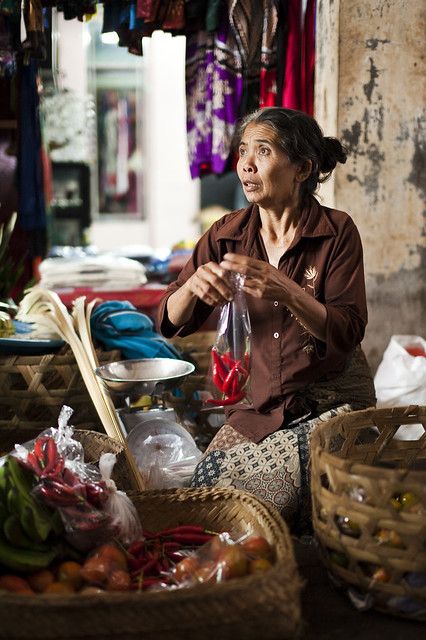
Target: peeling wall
<point>381,120</point>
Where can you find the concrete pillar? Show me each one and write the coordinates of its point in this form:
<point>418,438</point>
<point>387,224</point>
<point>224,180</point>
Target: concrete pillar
<point>370,92</point>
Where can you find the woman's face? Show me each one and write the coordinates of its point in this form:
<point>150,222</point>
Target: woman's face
<point>268,177</point>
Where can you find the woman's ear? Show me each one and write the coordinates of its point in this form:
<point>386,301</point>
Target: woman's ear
<point>304,171</point>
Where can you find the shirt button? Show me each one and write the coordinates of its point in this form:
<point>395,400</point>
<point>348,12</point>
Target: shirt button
<point>275,303</point>
<point>276,334</point>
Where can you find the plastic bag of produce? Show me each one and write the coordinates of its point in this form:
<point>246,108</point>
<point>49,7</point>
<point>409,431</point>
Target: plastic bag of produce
<point>90,507</point>
<point>165,452</point>
<point>223,558</point>
<point>230,354</point>
<point>401,378</point>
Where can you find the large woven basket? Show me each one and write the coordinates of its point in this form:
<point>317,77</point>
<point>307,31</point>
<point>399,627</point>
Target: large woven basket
<point>34,388</point>
<point>94,445</point>
<point>262,605</point>
<point>369,507</point>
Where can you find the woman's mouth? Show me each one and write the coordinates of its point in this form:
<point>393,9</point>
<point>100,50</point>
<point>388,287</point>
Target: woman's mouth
<point>250,186</point>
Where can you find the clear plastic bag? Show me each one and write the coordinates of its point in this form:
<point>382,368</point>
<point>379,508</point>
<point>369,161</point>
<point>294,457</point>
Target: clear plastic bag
<point>223,558</point>
<point>231,352</point>
<point>166,454</point>
<point>85,499</point>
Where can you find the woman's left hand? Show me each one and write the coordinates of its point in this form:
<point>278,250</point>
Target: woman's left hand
<point>262,280</point>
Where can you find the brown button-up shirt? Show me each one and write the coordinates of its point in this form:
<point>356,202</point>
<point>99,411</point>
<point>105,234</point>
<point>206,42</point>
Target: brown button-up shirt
<point>325,258</point>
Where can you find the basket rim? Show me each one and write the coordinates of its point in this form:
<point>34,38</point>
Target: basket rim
<point>410,414</point>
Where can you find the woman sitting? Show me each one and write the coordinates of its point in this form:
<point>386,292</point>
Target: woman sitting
<point>304,280</point>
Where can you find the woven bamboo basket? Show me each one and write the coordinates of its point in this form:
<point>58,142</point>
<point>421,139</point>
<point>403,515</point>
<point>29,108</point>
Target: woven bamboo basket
<point>262,605</point>
<point>369,507</point>
<point>94,445</point>
<point>34,388</point>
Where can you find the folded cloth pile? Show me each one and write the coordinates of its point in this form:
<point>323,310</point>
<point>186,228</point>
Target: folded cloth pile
<point>103,272</point>
<point>119,325</point>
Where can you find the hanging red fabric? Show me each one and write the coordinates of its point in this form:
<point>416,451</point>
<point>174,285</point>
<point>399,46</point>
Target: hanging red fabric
<point>268,58</point>
<point>308,60</point>
<point>291,83</point>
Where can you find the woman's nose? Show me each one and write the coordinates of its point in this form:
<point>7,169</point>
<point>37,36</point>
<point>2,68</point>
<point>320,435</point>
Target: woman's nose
<point>249,164</point>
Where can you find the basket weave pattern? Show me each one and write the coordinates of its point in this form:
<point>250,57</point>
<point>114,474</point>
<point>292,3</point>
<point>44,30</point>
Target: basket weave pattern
<point>34,388</point>
<point>369,506</point>
<point>264,605</point>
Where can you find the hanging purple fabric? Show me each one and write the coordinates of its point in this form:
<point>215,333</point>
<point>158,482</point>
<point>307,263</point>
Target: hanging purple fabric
<point>214,86</point>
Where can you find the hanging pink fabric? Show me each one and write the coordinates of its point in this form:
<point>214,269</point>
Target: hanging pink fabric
<point>268,59</point>
<point>291,85</point>
<point>308,60</point>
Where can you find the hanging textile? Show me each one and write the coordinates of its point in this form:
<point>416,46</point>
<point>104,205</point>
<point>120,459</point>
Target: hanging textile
<point>31,205</point>
<point>268,59</point>
<point>291,80</point>
<point>214,86</point>
<point>308,60</point>
<point>298,80</point>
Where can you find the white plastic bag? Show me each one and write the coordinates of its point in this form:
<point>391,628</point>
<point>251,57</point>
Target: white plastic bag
<point>165,453</point>
<point>400,379</point>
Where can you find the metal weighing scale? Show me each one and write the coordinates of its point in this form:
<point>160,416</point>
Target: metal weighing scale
<point>143,382</point>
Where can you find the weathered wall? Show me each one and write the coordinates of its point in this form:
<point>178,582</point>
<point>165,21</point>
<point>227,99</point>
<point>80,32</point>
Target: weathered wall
<point>380,116</point>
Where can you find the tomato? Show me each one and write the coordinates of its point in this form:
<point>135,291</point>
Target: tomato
<point>70,572</point>
<point>215,547</point>
<point>91,590</point>
<point>119,580</point>
<point>381,575</point>
<point>257,547</point>
<point>59,588</point>
<point>389,538</point>
<point>259,564</point>
<point>15,584</point>
<point>96,570</point>
<point>40,580</point>
<point>408,500</point>
<point>207,572</point>
<point>232,562</point>
<point>112,554</point>
<point>186,569</point>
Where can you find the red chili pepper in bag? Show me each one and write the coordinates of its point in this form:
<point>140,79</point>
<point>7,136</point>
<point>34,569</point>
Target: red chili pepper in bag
<point>218,364</point>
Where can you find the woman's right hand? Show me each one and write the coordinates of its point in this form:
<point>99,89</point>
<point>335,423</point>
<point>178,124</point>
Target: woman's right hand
<point>209,283</point>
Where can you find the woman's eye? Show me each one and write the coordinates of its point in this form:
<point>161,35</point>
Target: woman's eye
<point>263,151</point>
<point>242,151</point>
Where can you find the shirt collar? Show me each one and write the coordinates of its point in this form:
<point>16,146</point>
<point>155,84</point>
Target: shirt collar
<point>244,224</point>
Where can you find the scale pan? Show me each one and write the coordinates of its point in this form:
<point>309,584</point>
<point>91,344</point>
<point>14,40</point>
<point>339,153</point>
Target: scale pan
<point>146,376</point>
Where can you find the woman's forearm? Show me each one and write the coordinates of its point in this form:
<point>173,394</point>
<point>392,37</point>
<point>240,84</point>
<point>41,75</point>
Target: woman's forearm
<point>311,314</point>
<point>180,305</point>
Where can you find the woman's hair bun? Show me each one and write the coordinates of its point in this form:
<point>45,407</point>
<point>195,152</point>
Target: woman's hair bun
<point>333,152</point>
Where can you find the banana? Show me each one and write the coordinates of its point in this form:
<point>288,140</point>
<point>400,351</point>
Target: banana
<point>14,533</point>
<point>24,559</point>
<point>12,500</point>
<point>28,523</point>
<point>22,483</point>
<point>3,477</point>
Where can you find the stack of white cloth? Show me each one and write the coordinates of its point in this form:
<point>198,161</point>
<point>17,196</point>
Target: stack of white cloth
<point>101,272</point>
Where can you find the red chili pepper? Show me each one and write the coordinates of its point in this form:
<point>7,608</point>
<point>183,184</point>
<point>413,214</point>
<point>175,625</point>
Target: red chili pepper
<point>217,380</point>
<point>221,369</point>
<point>184,528</point>
<point>227,401</point>
<point>227,384</point>
<point>136,548</point>
<point>228,359</point>
<point>34,464</point>
<point>192,539</point>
